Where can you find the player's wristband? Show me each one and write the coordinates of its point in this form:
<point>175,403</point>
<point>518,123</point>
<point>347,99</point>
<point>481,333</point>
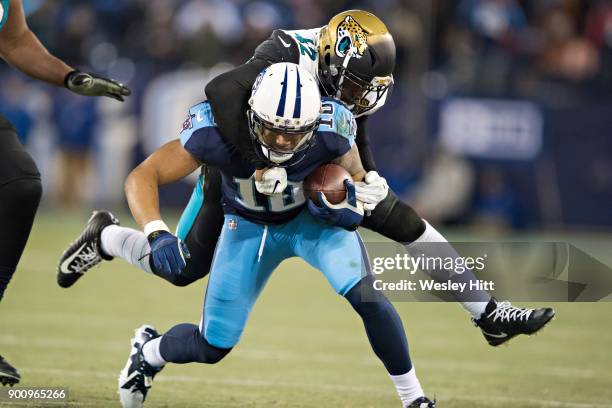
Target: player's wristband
<point>157,225</point>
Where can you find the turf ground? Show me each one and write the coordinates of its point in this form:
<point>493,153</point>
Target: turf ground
<point>303,346</point>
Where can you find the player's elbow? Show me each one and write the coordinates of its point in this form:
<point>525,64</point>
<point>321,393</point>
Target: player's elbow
<point>140,176</point>
<point>217,88</point>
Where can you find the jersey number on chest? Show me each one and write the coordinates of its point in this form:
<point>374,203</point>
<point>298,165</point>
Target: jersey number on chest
<point>249,198</point>
<point>307,46</point>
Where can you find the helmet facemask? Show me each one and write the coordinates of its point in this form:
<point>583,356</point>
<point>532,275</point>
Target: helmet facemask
<point>285,109</point>
<point>356,60</point>
<point>276,143</point>
<point>361,95</point>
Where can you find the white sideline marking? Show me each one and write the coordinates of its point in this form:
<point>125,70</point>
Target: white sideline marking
<point>329,387</point>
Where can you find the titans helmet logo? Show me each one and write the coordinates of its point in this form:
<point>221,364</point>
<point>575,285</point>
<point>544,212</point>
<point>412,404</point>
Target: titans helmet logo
<point>350,34</point>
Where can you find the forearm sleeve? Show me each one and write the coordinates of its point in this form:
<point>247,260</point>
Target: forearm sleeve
<point>363,144</point>
<point>228,95</point>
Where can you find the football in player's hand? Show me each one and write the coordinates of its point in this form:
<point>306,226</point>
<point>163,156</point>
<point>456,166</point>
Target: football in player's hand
<point>328,179</point>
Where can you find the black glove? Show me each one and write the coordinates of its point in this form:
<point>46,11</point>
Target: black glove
<point>93,85</point>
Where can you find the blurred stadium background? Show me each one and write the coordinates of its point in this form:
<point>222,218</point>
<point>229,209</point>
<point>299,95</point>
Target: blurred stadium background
<point>500,115</point>
<point>500,123</point>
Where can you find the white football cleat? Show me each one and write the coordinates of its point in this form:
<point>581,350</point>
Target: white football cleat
<point>136,378</point>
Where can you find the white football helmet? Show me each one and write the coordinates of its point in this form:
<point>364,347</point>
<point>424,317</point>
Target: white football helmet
<point>285,111</point>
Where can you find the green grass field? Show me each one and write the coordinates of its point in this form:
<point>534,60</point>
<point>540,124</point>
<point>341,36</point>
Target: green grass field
<point>303,346</point>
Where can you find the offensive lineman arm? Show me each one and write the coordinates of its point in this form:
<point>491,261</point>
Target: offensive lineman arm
<point>352,163</point>
<point>349,213</point>
<point>370,187</point>
<point>169,163</point>
<point>21,49</point>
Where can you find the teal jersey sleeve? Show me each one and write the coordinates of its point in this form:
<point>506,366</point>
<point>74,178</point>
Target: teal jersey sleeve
<point>337,128</point>
<point>199,116</point>
<point>4,11</point>
<point>200,136</point>
<point>337,118</point>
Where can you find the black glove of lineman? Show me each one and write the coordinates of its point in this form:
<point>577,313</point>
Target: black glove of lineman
<point>93,85</point>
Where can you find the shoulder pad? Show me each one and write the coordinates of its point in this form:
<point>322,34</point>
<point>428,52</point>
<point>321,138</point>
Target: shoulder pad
<point>279,47</point>
<point>199,116</point>
<point>337,118</point>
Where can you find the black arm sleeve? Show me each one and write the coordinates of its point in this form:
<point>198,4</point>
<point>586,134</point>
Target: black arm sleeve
<point>228,95</point>
<point>363,144</point>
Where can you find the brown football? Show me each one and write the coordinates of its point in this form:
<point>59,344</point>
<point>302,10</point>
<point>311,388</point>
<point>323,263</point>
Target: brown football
<point>328,179</point>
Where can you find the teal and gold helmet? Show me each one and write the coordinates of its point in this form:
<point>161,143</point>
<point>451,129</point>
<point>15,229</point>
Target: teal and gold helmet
<point>356,59</point>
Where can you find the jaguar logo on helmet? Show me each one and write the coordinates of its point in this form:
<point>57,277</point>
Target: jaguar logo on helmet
<point>350,34</point>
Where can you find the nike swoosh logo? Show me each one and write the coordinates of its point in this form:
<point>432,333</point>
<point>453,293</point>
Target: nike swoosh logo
<point>283,41</point>
<point>67,261</point>
<point>501,335</point>
<point>276,185</point>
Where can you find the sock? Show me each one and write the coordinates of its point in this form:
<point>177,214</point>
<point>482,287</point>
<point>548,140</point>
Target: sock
<point>128,244</point>
<point>433,245</point>
<point>152,354</point>
<point>184,343</point>
<point>383,326</point>
<point>408,387</point>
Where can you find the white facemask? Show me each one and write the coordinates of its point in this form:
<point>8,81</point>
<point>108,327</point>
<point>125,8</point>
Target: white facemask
<point>274,157</point>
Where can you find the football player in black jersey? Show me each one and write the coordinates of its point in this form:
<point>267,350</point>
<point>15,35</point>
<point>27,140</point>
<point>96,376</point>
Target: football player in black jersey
<point>20,187</point>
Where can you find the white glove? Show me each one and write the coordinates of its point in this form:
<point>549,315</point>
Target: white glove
<point>274,181</point>
<point>371,191</point>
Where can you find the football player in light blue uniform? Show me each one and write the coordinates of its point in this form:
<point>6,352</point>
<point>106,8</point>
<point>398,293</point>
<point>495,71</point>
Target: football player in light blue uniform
<point>292,127</point>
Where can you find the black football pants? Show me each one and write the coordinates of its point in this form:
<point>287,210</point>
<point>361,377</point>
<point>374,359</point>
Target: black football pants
<point>20,191</point>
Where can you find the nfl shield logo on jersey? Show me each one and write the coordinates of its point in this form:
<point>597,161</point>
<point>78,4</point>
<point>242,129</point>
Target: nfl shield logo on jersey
<point>232,224</point>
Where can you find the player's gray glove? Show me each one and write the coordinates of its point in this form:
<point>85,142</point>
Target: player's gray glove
<point>93,85</point>
<point>372,190</point>
<point>273,182</point>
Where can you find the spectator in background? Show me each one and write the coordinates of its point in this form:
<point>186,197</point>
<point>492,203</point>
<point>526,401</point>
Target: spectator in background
<point>496,206</point>
<point>599,31</point>
<point>76,120</point>
<point>499,34</point>
<point>12,99</point>
<point>445,192</point>
<point>565,55</point>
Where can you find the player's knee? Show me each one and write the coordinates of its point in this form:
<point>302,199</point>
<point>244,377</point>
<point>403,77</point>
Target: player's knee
<point>395,220</point>
<point>209,354</point>
<point>365,299</point>
<point>25,193</point>
<point>184,279</point>
<point>222,333</point>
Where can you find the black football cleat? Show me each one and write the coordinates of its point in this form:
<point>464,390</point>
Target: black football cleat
<point>85,252</point>
<point>136,378</point>
<point>422,402</point>
<point>8,374</point>
<point>501,321</point>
